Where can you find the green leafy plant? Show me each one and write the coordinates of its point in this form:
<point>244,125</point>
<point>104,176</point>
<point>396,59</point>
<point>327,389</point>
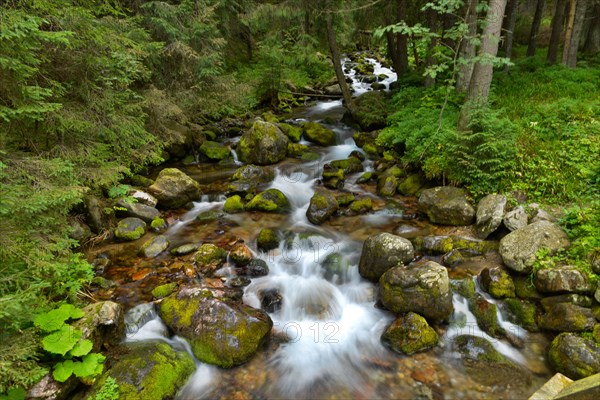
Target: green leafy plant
<point>108,391</point>
<point>64,340</point>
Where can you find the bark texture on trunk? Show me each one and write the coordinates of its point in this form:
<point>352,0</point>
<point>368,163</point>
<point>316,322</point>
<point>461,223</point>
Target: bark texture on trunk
<point>467,48</point>
<point>337,65</point>
<point>558,24</point>
<point>535,28</point>
<point>592,41</point>
<point>577,13</point>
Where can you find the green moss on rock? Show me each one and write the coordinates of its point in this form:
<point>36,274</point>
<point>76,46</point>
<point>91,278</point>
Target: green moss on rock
<point>317,133</point>
<point>296,150</point>
<point>271,200</point>
<point>164,290</point>
<point>129,229</point>
<point>233,205</point>
<point>409,334</point>
<point>361,206</point>
<point>215,151</point>
<point>522,313</point>
<point>268,239</point>
<point>292,132</point>
<point>464,287</point>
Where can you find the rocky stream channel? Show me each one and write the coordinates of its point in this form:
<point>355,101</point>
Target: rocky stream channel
<point>314,269</point>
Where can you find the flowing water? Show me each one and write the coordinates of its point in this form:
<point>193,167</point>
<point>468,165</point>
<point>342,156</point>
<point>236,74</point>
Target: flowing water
<point>326,341</point>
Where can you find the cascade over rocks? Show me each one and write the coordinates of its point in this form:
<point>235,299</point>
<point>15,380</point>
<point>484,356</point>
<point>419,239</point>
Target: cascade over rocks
<point>446,205</point>
<point>221,331</point>
<point>518,249</point>
<point>423,288</point>
<point>381,252</point>
<point>174,189</point>
<point>263,144</point>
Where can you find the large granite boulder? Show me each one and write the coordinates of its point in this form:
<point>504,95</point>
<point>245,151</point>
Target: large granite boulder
<point>519,248</point>
<point>423,288</point>
<point>566,278</point>
<point>490,212</point>
<point>221,331</point>
<point>446,205</point>
<point>515,219</point>
<point>263,144</point>
<point>174,189</point>
<point>381,252</point>
<point>574,356</point>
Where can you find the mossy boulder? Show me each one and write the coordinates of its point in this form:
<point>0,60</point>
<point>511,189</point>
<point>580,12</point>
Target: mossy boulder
<point>209,258</point>
<point>486,315</point>
<point>566,278</point>
<point>365,177</point>
<point>446,205</point>
<point>361,206</point>
<point>422,288</point>
<point>148,371</point>
<point>497,282</point>
<point>445,244</point>
<point>381,252</point>
<point>294,133</point>
<point>154,246</point>
<point>209,216</point>
<point>220,331</point>
<point>317,133</point>
<point>567,317</point>
<point>271,200</point>
<point>344,199</point>
<point>174,189</point>
<point>215,151</point>
<point>158,224</point>
<point>490,212</point>
<point>371,111</point>
<point>409,334</point>
<point>574,356</point>
<point>486,365</point>
<point>322,206</point>
<point>387,185</point>
<point>296,150</point>
<point>130,229</point>
<point>263,144</point>
<point>523,313</point>
<point>103,323</point>
<point>519,248</point>
<point>411,185</point>
<point>233,205</point>
<point>525,289</point>
<point>137,210</point>
<point>267,239</point>
<point>164,290</point>
<point>350,165</point>
<point>464,287</point>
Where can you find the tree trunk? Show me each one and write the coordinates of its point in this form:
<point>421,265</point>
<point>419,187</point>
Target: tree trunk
<point>481,79</point>
<point>535,28</point>
<point>467,48</point>
<point>558,23</point>
<point>337,65</point>
<point>574,29</point>
<point>511,19</point>
<point>430,60</point>
<point>570,22</point>
<point>402,41</point>
<point>592,41</point>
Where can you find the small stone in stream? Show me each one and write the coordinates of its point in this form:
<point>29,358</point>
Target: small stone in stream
<point>268,239</point>
<point>240,254</point>
<point>361,206</point>
<point>130,229</point>
<point>357,154</point>
<point>185,249</point>
<point>365,177</point>
<point>497,282</point>
<point>409,334</point>
<point>270,300</point>
<point>154,246</point>
<point>238,281</point>
<point>209,216</point>
<point>322,206</point>
<point>233,205</point>
<point>344,199</point>
<point>257,267</point>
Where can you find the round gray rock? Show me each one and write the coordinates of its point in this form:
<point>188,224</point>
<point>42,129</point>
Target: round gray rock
<point>566,278</point>
<point>490,212</point>
<point>515,219</point>
<point>174,189</point>
<point>446,205</point>
<point>384,251</point>
<point>518,249</point>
